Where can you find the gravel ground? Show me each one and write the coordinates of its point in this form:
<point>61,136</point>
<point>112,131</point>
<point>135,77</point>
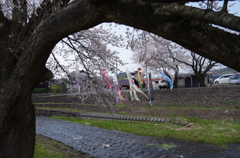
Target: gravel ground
<point>102,143</point>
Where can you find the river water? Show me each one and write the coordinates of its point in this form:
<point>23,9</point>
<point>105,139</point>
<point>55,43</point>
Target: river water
<point>102,143</point>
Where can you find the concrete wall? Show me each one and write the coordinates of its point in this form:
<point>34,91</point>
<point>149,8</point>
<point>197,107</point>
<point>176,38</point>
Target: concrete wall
<point>205,96</point>
<point>224,96</point>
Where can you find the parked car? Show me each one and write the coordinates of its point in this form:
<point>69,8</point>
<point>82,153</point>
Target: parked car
<point>123,84</point>
<point>235,79</point>
<point>224,79</point>
<point>163,84</point>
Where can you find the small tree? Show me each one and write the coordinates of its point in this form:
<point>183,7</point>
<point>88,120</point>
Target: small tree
<point>200,66</point>
<point>58,88</point>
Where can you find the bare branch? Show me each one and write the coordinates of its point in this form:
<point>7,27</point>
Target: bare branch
<point>78,53</point>
<point>55,59</point>
<point>224,8</point>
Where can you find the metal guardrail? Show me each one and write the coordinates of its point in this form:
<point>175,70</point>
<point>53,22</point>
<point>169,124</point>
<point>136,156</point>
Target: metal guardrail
<point>43,112</point>
<point>120,118</point>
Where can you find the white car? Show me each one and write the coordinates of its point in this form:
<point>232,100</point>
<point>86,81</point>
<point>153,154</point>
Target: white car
<point>224,79</point>
<point>163,84</point>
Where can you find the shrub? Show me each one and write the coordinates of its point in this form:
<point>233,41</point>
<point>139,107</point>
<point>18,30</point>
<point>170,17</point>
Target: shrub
<point>58,88</point>
<point>40,90</point>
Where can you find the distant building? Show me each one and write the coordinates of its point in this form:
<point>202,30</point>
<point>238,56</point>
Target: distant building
<point>122,75</point>
<point>123,81</point>
<point>190,80</point>
<point>76,80</point>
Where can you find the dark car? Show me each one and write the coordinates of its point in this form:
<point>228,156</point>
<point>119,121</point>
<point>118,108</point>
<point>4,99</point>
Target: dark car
<point>123,84</point>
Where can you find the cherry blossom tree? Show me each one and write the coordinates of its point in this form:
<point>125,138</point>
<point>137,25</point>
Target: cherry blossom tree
<point>156,52</point>
<point>87,51</point>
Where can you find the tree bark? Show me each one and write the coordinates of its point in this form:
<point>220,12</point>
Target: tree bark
<point>22,70</point>
<point>175,83</point>
<point>17,119</point>
<point>201,80</point>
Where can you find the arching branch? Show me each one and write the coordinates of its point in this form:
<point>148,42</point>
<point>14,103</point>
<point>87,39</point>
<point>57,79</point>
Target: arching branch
<point>206,16</point>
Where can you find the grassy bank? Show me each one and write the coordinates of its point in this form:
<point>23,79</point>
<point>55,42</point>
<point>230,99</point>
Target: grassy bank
<point>48,148</point>
<point>207,131</point>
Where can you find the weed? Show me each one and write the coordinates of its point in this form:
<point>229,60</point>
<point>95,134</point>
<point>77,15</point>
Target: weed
<point>231,102</point>
<point>48,148</point>
<point>174,99</point>
<point>190,104</point>
<point>173,115</point>
<point>120,106</point>
<point>163,146</point>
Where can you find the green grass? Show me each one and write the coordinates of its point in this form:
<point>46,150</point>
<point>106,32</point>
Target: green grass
<point>41,152</point>
<point>49,103</point>
<point>63,109</point>
<point>191,104</point>
<point>120,106</point>
<point>231,102</point>
<point>48,148</point>
<point>45,148</point>
<point>208,131</point>
<point>191,108</point>
<point>169,104</point>
<point>124,113</point>
<point>163,146</point>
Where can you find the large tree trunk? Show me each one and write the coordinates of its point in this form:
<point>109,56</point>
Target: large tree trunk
<point>22,70</point>
<point>201,80</point>
<point>17,113</point>
<point>17,116</point>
